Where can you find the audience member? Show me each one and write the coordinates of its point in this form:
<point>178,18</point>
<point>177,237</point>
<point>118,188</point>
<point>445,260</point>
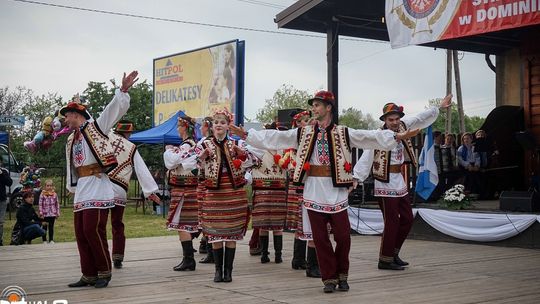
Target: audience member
<point>469,161</point>
<point>28,220</point>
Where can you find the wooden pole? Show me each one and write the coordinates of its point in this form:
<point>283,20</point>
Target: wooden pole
<point>332,57</point>
<point>448,128</point>
<point>458,93</point>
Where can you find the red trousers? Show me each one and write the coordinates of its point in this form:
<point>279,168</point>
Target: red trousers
<point>254,241</point>
<point>334,265</point>
<point>91,234</point>
<point>118,236</point>
<point>398,219</point>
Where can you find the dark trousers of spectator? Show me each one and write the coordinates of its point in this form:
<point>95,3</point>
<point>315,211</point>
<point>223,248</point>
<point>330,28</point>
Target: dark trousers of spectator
<point>398,220</point>
<point>3,206</point>
<point>334,265</point>
<point>118,235</point>
<point>473,182</point>
<point>33,231</point>
<point>91,234</point>
<point>50,227</point>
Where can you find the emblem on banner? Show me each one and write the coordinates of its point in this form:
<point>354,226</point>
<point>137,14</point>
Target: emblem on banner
<point>419,15</point>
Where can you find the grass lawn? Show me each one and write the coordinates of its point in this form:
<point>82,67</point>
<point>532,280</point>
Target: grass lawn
<point>137,225</point>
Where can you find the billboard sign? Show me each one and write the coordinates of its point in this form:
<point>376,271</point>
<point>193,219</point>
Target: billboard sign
<point>200,81</point>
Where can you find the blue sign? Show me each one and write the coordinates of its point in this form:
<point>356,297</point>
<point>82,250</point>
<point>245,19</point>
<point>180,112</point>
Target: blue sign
<point>12,120</point>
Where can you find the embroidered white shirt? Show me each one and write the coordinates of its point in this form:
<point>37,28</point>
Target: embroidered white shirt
<point>396,186</point>
<point>319,192</point>
<point>92,191</point>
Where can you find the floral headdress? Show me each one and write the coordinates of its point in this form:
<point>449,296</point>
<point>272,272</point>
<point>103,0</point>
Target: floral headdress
<point>189,123</point>
<point>225,113</point>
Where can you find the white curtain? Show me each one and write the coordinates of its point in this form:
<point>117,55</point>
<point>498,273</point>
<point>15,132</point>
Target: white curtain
<point>481,227</point>
<point>367,221</point>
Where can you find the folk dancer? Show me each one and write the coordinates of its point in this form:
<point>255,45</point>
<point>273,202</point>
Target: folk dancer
<point>269,198</point>
<point>225,207</point>
<point>205,246</point>
<point>390,186</point>
<point>183,212</point>
<point>323,164</point>
<point>128,159</point>
<point>89,157</point>
<point>296,212</point>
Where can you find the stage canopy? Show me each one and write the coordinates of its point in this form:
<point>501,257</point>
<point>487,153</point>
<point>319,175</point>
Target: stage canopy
<point>165,133</point>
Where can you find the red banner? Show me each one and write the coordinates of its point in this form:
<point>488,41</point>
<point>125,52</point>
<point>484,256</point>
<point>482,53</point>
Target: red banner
<point>484,16</point>
<point>424,21</point>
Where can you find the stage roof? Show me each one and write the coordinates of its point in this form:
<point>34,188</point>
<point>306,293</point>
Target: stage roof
<point>364,19</point>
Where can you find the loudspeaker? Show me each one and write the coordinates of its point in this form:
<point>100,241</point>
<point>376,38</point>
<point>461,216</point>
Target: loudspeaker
<point>522,201</point>
<point>285,116</point>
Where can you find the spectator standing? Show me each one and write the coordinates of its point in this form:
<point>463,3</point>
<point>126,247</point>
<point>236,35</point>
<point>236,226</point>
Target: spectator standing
<point>49,209</point>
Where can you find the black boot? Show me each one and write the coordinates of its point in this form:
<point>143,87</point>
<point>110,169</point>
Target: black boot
<point>229,259</point>
<point>299,254</point>
<point>389,266</point>
<point>188,262</point>
<point>83,281</point>
<point>399,261</point>
<point>218,261</point>
<point>203,246</point>
<point>102,282</point>
<point>117,264</point>
<point>329,286</point>
<point>312,269</point>
<point>278,246</point>
<point>209,259</point>
<point>342,282</point>
<point>263,240</point>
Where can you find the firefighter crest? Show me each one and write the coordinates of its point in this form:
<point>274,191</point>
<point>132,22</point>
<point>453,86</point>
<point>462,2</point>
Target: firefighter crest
<point>419,15</point>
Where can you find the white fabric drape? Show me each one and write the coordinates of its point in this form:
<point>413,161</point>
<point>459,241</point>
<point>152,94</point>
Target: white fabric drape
<point>471,226</point>
<point>481,227</point>
<point>367,221</point>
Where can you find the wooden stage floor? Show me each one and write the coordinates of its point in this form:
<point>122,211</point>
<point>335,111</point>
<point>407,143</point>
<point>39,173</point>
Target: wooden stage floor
<point>440,273</point>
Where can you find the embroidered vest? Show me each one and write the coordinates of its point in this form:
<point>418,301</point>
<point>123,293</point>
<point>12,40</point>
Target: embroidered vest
<point>124,151</point>
<point>99,145</point>
<point>338,148</point>
<point>381,159</point>
<point>213,166</point>
<point>269,175</point>
<point>179,177</point>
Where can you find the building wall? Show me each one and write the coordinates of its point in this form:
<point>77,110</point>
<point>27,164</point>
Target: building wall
<point>509,79</point>
<point>530,56</point>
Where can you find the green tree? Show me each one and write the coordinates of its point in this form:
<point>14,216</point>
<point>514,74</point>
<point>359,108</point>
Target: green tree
<point>286,97</point>
<point>12,101</point>
<point>98,95</point>
<point>22,101</point>
<point>354,118</point>
<point>472,123</point>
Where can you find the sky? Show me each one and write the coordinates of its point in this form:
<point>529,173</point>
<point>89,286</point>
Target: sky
<point>52,49</point>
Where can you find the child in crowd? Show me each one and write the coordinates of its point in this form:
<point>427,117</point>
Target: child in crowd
<point>49,209</point>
